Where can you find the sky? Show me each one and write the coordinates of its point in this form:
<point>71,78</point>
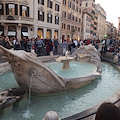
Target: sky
<point>112,8</point>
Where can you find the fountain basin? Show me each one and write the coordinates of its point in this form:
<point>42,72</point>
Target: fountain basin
<point>44,80</point>
<point>68,103</point>
<point>65,60</point>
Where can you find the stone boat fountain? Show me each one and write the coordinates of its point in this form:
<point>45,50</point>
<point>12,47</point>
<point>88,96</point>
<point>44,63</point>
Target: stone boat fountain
<point>26,67</point>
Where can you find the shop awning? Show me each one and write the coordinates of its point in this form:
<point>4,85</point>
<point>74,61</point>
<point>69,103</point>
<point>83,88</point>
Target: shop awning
<point>11,33</point>
<point>1,32</point>
<point>25,34</point>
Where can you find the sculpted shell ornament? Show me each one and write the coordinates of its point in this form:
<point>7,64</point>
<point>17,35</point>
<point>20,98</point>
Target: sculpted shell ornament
<point>27,66</point>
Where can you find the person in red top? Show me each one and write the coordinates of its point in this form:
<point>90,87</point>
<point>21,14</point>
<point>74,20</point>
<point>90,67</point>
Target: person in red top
<point>49,47</point>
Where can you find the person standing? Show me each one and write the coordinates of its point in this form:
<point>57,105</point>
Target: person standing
<point>39,46</point>
<point>64,45</point>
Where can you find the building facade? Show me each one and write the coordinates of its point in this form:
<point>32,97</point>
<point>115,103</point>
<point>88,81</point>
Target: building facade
<point>119,28</point>
<point>30,18</point>
<point>89,16</point>
<point>71,15</point>
<point>101,22</point>
<point>112,31</point>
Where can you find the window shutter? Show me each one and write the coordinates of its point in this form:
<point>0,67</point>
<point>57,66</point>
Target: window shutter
<point>51,18</point>
<point>27,11</point>
<point>42,2</point>
<point>47,17</point>
<point>58,7</point>
<point>38,15</point>
<point>20,10</point>
<point>50,4</point>
<point>55,19</point>
<point>43,16</point>
<point>7,9</point>
<point>16,9</point>
<point>2,9</point>
<point>58,20</point>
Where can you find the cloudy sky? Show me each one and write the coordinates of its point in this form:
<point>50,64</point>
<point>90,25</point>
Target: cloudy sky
<point>112,8</point>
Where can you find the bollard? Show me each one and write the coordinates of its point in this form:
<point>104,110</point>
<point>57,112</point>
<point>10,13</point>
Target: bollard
<point>51,115</point>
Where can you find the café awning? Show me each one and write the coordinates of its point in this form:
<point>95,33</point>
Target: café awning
<point>1,32</point>
<point>25,34</point>
<point>11,33</point>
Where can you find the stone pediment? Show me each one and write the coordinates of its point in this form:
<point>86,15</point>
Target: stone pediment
<point>57,14</point>
<point>24,2</point>
<point>41,8</point>
<point>49,11</point>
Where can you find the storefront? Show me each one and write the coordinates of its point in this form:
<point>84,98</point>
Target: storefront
<point>49,34</point>
<point>12,31</point>
<point>56,34</point>
<point>1,31</point>
<point>40,33</point>
<point>24,32</point>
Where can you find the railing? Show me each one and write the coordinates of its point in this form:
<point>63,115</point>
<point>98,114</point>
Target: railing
<point>16,18</point>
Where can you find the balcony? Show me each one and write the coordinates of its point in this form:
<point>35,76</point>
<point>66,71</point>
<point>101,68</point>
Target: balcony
<point>15,19</point>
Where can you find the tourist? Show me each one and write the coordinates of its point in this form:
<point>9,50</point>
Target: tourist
<point>108,111</point>
<point>56,45</point>
<point>17,45</point>
<point>64,45</point>
<point>49,47</point>
<point>39,46</point>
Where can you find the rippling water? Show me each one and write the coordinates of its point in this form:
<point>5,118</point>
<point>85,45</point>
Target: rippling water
<point>65,104</point>
<point>77,69</point>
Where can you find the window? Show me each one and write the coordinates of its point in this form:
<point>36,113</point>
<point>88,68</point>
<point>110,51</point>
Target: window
<point>64,14</point>
<point>78,29</point>
<point>69,4</point>
<point>41,2</point>
<point>11,9</point>
<point>1,9</point>
<point>49,4</point>
<point>56,7</point>
<point>69,16</point>
<point>63,25</point>
<point>79,10</point>
<point>49,18</point>
<point>24,11</point>
<point>56,20</point>
<point>77,1</point>
<point>76,8</point>
<point>73,18</point>
<point>76,19</point>
<point>68,27</point>
<point>73,6</point>
<point>40,15</point>
<point>75,28</point>
<point>64,2</point>
<point>79,20</point>
<point>86,4</point>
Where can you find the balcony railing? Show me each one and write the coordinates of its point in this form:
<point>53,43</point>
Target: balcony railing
<point>16,18</point>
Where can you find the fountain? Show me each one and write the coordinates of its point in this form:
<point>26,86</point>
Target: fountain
<point>45,80</point>
<point>65,104</point>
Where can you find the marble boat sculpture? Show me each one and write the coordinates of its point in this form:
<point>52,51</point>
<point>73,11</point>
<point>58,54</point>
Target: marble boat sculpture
<point>27,67</point>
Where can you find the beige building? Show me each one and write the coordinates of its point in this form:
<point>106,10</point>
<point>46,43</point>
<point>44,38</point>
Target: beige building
<point>101,27</point>
<point>71,19</point>
<point>30,18</point>
<point>112,31</point>
<point>119,28</point>
<point>89,16</point>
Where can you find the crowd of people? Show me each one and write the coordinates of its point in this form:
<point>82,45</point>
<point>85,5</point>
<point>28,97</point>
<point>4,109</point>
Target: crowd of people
<point>47,46</point>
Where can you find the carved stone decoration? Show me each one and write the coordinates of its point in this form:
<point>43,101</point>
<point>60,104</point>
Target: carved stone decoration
<point>26,67</point>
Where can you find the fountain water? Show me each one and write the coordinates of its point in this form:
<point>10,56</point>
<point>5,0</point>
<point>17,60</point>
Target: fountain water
<point>77,100</point>
<point>27,114</point>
